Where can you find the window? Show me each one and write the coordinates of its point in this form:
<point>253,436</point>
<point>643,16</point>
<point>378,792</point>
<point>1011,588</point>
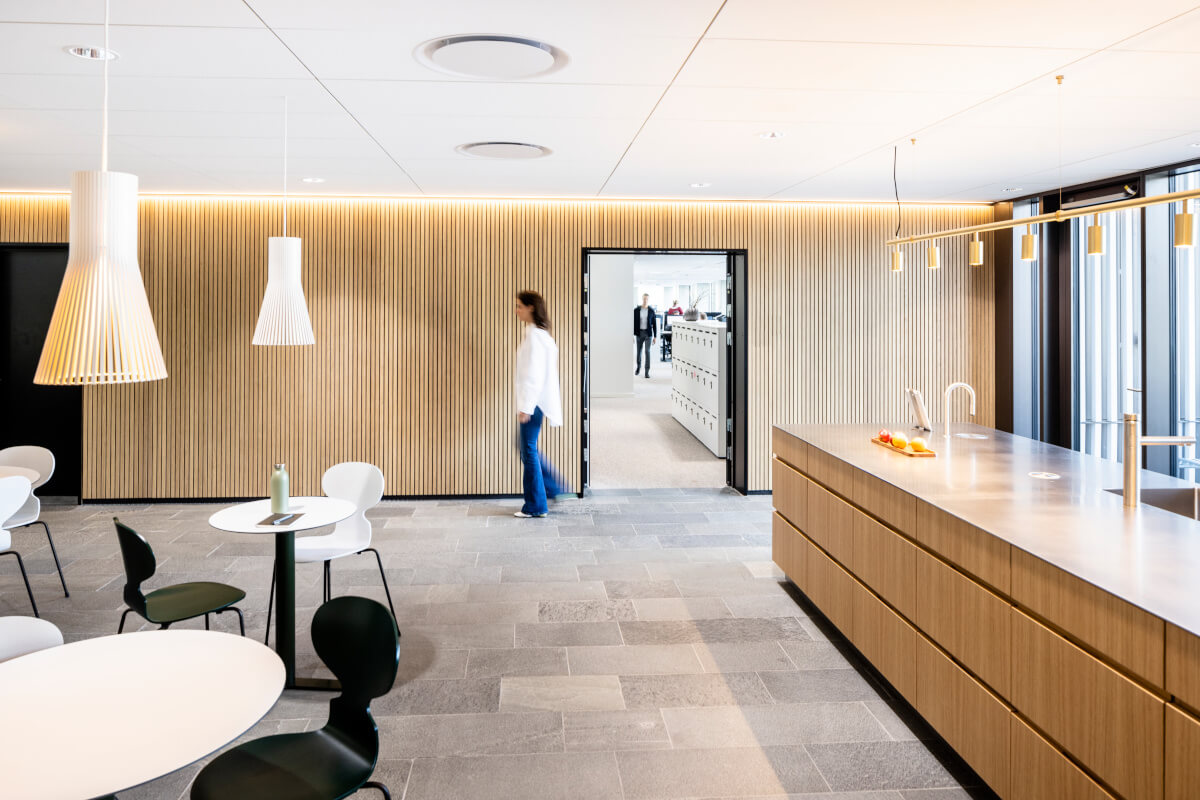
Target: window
<point>1185,291</point>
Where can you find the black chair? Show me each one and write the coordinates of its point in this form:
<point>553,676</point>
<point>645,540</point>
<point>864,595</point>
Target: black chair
<point>169,604</point>
<point>357,639</point>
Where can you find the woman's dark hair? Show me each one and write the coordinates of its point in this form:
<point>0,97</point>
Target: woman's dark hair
<point>541,317</point>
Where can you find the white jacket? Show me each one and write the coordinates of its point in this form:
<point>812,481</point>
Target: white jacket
<point>537,375</point>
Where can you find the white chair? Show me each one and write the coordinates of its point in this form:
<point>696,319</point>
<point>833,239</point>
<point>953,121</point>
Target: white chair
<point>20,636</point>
<point>42,461</point>
<point>361,484</point>
<point>14,492</point>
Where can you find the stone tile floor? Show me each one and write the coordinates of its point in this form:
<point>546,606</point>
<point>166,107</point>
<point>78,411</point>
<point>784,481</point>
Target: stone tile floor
<point>630,645</point>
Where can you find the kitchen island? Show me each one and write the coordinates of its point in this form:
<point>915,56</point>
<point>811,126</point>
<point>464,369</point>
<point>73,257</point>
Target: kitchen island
<point>1050,634</point>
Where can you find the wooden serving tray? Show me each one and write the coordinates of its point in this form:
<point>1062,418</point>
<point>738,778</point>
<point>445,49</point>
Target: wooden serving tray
<point>907,451</point>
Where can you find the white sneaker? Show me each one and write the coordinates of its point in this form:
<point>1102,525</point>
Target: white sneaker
<point>523,515</point>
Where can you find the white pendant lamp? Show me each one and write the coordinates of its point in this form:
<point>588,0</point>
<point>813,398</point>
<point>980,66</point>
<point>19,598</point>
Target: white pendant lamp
<point>283,318</point>
<point>102,331</point>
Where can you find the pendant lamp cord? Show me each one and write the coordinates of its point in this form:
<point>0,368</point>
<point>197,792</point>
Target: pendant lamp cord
<point>104,111</point>
<point>285,159</point>
<point>896,189</point>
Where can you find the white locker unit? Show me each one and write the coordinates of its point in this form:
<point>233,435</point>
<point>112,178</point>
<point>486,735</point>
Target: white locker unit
<point>698,368</point>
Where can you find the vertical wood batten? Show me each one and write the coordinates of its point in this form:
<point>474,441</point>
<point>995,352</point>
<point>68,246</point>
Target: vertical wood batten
<point>411,301</point>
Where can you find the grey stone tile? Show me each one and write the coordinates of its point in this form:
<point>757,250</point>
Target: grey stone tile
<point>586,610</point>
<point>901,723</point>
<point>430,575</point>
<point>955,793</point>
<point>615,730</point>
<point>714,540</point>
<point>742,657</point>
<point>645,517</point>
<point>710,631</point>
<point>675,608</point>
<point>773,605</point>
<point>816,685</point>
<point>601,529</point>
<point>516,592</point>
<point>734,772</point>
<point>637,590</point>
<point>422,661</point>
<point>420,736</point>
<point>815,655</point>
<point>764,569</point>
<point>670,659</point>
<point>614,572</point>
<point>559,634</point>
<point>672,691</point>
<point>728,587</point>
<point>641,555</point>
<point>578,776</point>
<point>466,696</point>
<point>561,693</point>
<point>540,574</point>
<point>517,661</point>
<point>543,559</point>
<point>786,724</point>
<point>460,613</point>
<point>661,529</point>
<point>483,634</point>
<point>879,765</point>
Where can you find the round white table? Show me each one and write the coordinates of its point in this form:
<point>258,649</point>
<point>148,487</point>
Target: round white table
<point>23,472</point>
<point>99,716</point>
<point>315,512</point>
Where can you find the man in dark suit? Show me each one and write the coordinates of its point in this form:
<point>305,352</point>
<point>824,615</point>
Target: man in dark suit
<point>645,329</point>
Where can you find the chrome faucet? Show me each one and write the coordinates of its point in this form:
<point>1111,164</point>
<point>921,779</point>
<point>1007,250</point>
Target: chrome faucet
<point>1134,442</point>
<point>949,391</point>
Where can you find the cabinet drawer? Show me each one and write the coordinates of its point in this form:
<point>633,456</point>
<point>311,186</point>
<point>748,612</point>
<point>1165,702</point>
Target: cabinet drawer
<point>965,619</point>
<point>1040,772</point>
<point>831,589</point>
<point>1122,632</point>
<point>887,641</point>
<point>1183,666</point>
<point>788,549</point>
<point>1108,723</point>
<point>789,493</point>
<point>886,562</point>
<point>790,449</point>
<point>969,717</point>
<point>831,523</point>
<point>1183,755</point>
<point>833,472</point>
<point>895,507</point>
<point>979,554</point>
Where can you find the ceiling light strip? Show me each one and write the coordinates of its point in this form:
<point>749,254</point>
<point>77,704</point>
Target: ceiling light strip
<point>1056,216</point>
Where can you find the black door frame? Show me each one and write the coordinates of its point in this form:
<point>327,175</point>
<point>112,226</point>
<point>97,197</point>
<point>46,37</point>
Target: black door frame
<point>736,340</point>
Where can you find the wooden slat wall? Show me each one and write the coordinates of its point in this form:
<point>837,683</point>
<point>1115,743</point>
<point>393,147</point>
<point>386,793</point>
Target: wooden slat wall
<point>412,307</point>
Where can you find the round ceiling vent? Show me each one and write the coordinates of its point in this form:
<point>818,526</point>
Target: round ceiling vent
<point>490,56</point>
<point>91,53</point>
<point>503,150</point>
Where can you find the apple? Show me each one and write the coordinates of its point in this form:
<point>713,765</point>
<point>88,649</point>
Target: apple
<point>884,435</point>
<point>899,441</point>
<point>919,445</point>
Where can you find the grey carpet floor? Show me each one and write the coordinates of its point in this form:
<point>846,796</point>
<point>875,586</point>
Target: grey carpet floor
<point>636,442</point>
<point>633,644</point>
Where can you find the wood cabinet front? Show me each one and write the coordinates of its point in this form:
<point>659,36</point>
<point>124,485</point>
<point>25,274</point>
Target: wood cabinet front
<point>886,562</point>
<point>1040,772</point>
<point>977,552</point>
<point>831,523</point>
<point>1183,755</point>
<point>788,549</point>
<point>887,641</point>
<point>790,495</point>
<point>831,588</point>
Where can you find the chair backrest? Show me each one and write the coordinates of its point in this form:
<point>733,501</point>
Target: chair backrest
<point>357,639</point>
<point>140,564</point>
<point>361,484</point>
<point>14,491</point>
<point>32,457</point>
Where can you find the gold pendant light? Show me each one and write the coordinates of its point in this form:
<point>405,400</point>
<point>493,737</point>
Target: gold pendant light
<point>1095,237</point>
<point>975,252</point>
<point>1185,227</point>
<point>102,331</point>
<point>897,260</point>
<point>933,257</point>
<point>1029,244</point>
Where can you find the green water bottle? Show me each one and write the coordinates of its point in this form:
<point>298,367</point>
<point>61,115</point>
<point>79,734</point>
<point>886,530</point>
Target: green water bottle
<point>279,490</point>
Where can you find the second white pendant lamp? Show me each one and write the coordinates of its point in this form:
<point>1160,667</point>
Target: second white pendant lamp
<point>283,318</point>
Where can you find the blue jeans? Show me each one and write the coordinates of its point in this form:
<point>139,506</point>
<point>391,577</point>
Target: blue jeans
<point>540,479</point>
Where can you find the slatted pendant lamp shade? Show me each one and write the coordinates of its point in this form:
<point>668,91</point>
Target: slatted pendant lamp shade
<point>283,318</point>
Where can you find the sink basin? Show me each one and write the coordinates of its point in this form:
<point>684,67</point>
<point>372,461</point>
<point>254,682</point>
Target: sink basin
<point>1177,501</point>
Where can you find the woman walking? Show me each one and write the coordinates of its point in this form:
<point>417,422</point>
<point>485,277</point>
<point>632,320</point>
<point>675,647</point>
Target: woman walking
<point>538,399</point>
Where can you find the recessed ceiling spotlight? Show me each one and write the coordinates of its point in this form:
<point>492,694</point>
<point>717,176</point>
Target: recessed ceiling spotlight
<point>503,150</point>
<point>91,53</point>
<point>490,56</point>
<point>1194,144</point>
<point>1011,189</point>
<point>701,185</point>
<point>313,180</point>
<point>772,135</point>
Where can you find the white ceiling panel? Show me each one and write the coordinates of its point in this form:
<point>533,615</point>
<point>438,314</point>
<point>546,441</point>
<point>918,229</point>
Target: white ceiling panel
<point>206,13</point>
<point>1087,24</point>
<point>527,178</point>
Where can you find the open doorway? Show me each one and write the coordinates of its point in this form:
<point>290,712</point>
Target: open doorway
<point>681,423</point>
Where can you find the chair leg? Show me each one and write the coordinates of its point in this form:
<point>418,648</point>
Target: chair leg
<point>386,590</point>
<point>206,623</point>
<point>54,552</point>
<point>376,785</point>
<point>236,610</point>
<point>25,577</point>
<point>121,627</point>
<point>270,603</point>
<point>328,585</point>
